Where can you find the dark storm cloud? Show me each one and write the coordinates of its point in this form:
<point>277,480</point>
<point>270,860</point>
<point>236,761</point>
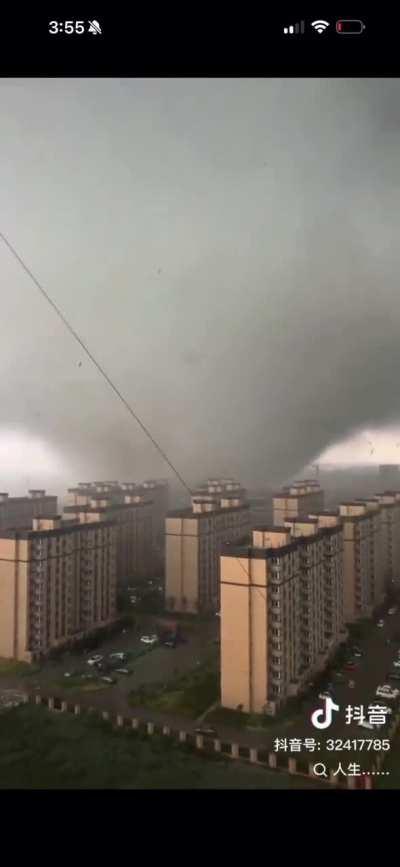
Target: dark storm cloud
<point>229,250</point>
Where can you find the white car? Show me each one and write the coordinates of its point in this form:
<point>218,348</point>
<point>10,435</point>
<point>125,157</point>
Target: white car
<point>380,623</point>
<point>387,692</point>
<point>117,655</point>
<point>396,663</point>
<point>149,639</point>
<point>392,610</point>
<point>95,658</point>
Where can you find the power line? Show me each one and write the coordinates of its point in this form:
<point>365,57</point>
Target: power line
<point>98,366</point>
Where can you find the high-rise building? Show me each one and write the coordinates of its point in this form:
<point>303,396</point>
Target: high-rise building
<point>57,584</point>
<point>194,536</point>
<point>132,516</point>
<point>139,556</point>
<point>389,477</point>
<point>297,501</point>
<point>19,511</point>
<point>281,611</point>
<point>363,578</point>
<point>390,508</point>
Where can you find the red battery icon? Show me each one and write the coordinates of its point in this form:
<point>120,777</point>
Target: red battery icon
<point>350,26</point>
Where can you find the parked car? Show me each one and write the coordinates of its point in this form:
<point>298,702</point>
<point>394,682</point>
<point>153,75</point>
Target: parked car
<point>393,675</point>
<point>70,673</point>
<point>149,639</point>
<point>108,679</point>
<point>396,663</point>
<point>386,691</point>
<point>350,666</point>
<point>393,610</point>
<point>206,730</point>
<point>122,671</point>
<point>358,653</point>
<point>380,623</point>
<point>170,643</point>
<point>97,657</point>
<point>118,655</point>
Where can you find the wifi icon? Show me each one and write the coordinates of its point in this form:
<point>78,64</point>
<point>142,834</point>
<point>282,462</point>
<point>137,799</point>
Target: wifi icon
<point>320,26</point>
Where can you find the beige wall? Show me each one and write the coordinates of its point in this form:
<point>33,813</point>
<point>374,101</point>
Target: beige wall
<point>13,598</point>
<point>244,636</point>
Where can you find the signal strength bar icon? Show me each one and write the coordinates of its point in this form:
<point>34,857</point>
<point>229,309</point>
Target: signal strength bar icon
<point>294,29</point>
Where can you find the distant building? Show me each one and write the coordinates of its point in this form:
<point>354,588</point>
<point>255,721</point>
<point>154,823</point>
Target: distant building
<point>389,477</point>
<point>390,507</point>
<point>19,511</point>
<point>194,537</point>
<point>57,584</point>
<point>281,611</point>
<point>141,547</point>
<point>297,501</point>
<point>134,536</point>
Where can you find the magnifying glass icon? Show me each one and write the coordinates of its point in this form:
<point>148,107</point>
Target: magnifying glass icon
<point>320,773</point>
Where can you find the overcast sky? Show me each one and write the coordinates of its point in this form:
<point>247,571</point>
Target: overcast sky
<point>229,249</point>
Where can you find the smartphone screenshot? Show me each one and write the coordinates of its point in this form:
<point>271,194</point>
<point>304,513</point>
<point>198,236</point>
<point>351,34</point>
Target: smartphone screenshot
<point>200,431</point>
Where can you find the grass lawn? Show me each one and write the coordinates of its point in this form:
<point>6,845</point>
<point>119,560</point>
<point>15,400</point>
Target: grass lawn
<point>189,694</point>
<point>11,666</point>
<point>44,750</point>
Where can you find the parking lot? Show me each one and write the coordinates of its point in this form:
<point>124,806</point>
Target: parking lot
<point>155,664</point>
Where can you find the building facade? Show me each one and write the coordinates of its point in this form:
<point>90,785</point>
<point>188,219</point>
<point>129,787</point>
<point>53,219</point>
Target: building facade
<point>389,477</point>
<point>19,511</point>
<point>297,501</point>
<point>57,584</point>
<point>390,529</point>
<point>362,557</point>
<point>281,611</point>
<point>133,521</point>
<point>194,537</point>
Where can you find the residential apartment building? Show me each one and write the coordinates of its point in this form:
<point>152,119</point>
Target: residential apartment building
<point>194,537</point>
<point>132,517</point>
<point>363,548</point>
<point>297,501</point>
<point>57,584</point>
<point>389,477</point>
<point>281,611</point>
<point>19,511</point>
<point>390,508</point>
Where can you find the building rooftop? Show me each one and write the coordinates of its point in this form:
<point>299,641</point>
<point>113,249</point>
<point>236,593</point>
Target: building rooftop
<point>333,513</point>
<point>111,507</point>
<point>25,533</point>
<point>188,512</point>
<point>271,528</point>
<point>244,548</point>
